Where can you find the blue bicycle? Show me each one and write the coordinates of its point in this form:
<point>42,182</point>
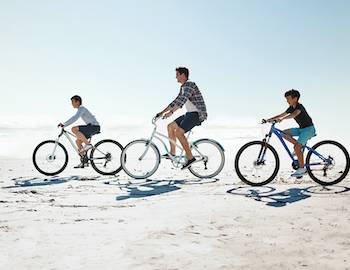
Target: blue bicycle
<point>257,162</point>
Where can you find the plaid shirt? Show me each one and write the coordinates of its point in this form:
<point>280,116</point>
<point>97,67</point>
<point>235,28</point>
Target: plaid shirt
<point>189,91</point>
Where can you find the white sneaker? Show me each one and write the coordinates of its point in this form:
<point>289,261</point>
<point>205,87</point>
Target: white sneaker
<point>86,148</point>
<point>299,172</point>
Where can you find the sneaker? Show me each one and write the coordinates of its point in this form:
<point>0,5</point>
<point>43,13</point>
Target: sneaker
<point>188,163</point>
<point>167,156</point>
<point>79,166</point>
<point>299,172</point>
<point>86,148</point>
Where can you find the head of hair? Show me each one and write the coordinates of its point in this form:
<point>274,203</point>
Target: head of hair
<point>183,70</point>
<point>293,93</point>
<point>76,98</point>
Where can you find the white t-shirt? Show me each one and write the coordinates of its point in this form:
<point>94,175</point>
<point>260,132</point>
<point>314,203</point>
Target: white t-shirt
<point>190,106</point>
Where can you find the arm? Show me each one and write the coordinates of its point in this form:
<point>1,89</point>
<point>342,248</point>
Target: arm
<point>277,117</point>
<point>74,118</point>
<point>171,110</point>
<point>182,98</point>
<point>167,109</point>
<point>178,102</point>
<point>291,116</point>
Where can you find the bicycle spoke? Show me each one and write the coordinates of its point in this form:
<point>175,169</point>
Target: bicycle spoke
<point>253,168</point>
<point>210,159</point>
<point>327,163</point>
<point>105,157</point>
<point>140,159</point>
<point>50,158</point>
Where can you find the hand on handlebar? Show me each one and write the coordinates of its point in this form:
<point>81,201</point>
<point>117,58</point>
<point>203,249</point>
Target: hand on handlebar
<point>274,121</point>
<point>155,119</point>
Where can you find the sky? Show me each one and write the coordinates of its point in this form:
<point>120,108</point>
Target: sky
<point>120,56</point>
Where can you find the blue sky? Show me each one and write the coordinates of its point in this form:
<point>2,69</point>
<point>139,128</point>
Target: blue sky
<point>120,57</point>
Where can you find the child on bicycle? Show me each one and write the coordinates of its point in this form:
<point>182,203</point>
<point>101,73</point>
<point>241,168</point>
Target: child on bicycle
<point>305,131</point>
<point>84,132</point>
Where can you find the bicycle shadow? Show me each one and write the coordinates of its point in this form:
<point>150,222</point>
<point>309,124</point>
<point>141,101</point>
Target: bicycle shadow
<point>157,187</point>
<point>271,197</point>
<point>42,181</point>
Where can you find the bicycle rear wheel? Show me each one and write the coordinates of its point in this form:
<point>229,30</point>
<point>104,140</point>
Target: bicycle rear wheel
<point>257,163</point>
<point>105,157</point>
<point>210,158</point>
<point>327,163</point>
<point>140,159</point>
<point>50,158</point>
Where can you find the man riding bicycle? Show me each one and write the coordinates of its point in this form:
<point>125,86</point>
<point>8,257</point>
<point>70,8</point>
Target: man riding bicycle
<point>191,97</point>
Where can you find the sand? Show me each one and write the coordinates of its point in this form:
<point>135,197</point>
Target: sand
<point>80,220</point>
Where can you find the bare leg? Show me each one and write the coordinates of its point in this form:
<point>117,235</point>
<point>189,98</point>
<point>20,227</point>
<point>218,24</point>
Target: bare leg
<point>79,144</point>
<point>300,155</point>
<point>80,136</point>
<point>171,133</point>
<point>289,139</point>
<point>297,147</point>
<point>180,134</point>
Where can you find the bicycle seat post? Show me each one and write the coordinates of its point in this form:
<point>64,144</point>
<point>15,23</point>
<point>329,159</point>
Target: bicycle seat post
<point>189,133</point>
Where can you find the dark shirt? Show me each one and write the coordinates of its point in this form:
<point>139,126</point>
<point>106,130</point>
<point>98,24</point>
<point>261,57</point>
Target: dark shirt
<point>303,118</point>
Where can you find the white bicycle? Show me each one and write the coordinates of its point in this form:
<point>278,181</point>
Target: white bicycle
<point>141,158</point>
<point>51,157</point>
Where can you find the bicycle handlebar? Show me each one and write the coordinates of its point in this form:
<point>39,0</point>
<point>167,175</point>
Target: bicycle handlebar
<point>155,119</point>
<point>264,121</point>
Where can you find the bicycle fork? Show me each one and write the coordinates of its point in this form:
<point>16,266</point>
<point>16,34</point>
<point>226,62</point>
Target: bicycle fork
<point>260,160</point>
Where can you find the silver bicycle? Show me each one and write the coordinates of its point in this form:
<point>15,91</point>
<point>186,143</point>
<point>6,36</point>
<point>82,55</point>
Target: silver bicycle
<point>51,157</point>
<point>141,158</point>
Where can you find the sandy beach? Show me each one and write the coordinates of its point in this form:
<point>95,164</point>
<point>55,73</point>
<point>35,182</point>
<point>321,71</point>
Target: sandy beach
<point>122,70</point>
<point>80,220</point>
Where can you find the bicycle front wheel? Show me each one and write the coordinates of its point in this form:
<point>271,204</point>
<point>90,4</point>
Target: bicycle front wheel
<point>210,158</point>
<point>257,163</point>
<point>140,159</point>
<point>327,163</point>
<point>105,157</point>
<point>50,158</point>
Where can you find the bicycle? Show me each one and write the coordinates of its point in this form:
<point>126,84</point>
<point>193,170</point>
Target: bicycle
<point>257,162</point>
<point>141,158</point>
<point>51,157</point>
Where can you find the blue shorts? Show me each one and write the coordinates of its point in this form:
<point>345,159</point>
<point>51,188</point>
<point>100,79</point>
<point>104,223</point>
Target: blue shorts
<point>304,134</point>
<point>188,121</point>
<point>89,130</point>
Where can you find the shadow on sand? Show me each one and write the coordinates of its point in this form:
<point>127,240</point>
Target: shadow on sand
<point>271,197</point>
<point>42,181</point>
<point>157,187</point>
<point>134,189</point>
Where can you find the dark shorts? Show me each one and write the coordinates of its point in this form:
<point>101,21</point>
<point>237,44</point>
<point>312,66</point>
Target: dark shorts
<point>188,121</point>
<point>89,130</point>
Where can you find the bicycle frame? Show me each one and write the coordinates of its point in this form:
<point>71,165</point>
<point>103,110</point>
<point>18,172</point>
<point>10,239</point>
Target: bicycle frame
<point>157,135</point>
<point>66,134</point>
<point>280,133</point>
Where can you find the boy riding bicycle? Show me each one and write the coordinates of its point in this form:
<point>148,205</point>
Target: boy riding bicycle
<point>305,131</point>
<point>84,132</point>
